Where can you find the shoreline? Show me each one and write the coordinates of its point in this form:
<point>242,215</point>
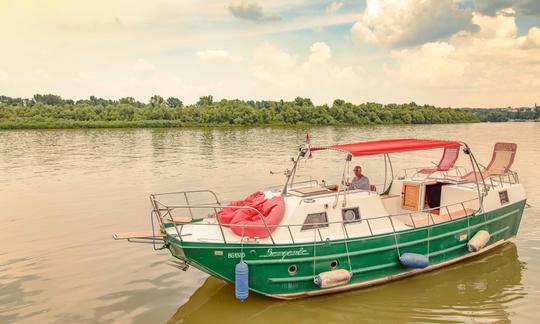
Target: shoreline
<point>168,125</point>
<point>12,125</point>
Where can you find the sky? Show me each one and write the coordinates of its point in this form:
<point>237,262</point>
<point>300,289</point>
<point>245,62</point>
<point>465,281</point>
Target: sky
<point>457,53</point>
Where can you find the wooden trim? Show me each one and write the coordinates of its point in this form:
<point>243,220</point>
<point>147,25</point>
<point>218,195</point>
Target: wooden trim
<point>181,219</point>
<point>389,196</point>
<point>137,235</point>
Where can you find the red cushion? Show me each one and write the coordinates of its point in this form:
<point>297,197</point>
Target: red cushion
<point>271,209</point>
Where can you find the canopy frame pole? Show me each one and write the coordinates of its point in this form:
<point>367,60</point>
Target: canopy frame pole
<point>342,184</point>
<point>290,175</point>
<point>385,173</point>
<point>391,166</point>
<point>475,166</point>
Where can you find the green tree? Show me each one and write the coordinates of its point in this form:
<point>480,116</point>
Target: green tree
<point>174,102</point>
<point>48,99</point>
<point>205,101</point>
<point>156,101</point>
<point>127,101</point>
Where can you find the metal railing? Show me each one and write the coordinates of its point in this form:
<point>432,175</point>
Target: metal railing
<point>164,212</point>
<point>295,185</point>
<point>499,180</point>
<point>458,171</point>
<point>492,182</point>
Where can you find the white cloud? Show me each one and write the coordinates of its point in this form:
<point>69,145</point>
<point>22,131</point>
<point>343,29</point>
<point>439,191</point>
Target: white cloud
<point>410,22</point>
<point>430,65</point>
<point>502,25</point>
<point>334,7</point>
<point>532,40</point>
<point>143,65</point>
<point>319,53</point>
<point>280,74</point>
<point>491,67</point>
<point>217,55</point>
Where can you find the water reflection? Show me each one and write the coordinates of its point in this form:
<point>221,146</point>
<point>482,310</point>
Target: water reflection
<point>17,293</point>
<point>478,290</point>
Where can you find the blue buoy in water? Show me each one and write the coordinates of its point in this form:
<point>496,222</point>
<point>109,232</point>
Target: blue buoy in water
<point>414,260</point>
<point>241,281</point>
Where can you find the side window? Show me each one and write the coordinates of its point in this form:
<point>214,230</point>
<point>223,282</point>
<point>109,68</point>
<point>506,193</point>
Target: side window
<point>350,215</point>
<point>315,220</point>
<point>503,196</point>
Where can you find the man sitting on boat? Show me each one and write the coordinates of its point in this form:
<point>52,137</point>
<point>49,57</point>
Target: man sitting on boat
<point>359,181</point>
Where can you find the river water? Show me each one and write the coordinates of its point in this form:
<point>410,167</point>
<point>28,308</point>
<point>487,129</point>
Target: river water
<point>63,193</point>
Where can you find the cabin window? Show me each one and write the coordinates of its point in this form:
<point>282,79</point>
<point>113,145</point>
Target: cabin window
<point>315,220</point>
<point>503,196</point>
<point>350,215</point>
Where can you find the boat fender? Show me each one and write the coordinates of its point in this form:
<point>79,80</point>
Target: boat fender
<point>241,282</point>
<point>478,241</point>
<point>332,278</point>
<point>414,260</point>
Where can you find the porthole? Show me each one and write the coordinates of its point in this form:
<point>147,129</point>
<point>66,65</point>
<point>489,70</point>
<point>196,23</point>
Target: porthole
<point>350,215</point>
<point>292,269</point>
<point>334,264</point>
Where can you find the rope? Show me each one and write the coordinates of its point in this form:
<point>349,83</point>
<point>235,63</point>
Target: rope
<point>485,222</point>
<point>242,245</point>
<point>468,227</point>
<point>397,245</point>
<point>314,249</point>
<point>428,239</point>
<point>348,256</point>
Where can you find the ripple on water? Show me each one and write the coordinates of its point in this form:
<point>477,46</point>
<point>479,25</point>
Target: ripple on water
<point>64,192</point>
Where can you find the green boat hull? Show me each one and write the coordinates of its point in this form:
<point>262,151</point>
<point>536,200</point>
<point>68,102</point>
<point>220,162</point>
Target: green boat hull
<point>372,260</point>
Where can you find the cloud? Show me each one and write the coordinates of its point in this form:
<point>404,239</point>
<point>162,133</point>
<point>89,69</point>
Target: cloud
<point>410,22</point>
<point>279,74</point>
<point>143,65</point>
<point>217,55</point>
<point>250,11</point>
<point>334,7</point>
<point>492,66</point>
<point>522,7</point>
<point>532,40</point>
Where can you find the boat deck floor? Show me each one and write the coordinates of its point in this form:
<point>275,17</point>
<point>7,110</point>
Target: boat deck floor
<point>423,219</point>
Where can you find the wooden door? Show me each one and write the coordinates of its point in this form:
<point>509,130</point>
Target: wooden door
<point>410,197</point>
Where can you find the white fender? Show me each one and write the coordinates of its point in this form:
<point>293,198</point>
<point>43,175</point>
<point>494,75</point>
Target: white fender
<point>478,241</point>
<point>332,278</point>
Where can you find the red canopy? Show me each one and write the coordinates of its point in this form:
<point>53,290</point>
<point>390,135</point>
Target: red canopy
<point>389,146</point>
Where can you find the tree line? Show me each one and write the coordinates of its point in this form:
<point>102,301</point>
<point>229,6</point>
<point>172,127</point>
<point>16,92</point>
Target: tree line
<point>51,111</point>
<point>507,114</point>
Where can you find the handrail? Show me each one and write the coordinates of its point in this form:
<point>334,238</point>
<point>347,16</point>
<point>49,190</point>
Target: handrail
<point>316,225</point>
<point>293,185</point>
<point>189,192</point>
<point>427,210</point>
<point>171,207</point>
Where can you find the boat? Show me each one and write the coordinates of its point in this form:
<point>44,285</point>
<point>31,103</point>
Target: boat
<point>307,237</point>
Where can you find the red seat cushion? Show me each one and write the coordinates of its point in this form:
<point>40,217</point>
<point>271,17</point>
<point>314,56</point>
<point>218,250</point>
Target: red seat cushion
<point>271,209</point>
